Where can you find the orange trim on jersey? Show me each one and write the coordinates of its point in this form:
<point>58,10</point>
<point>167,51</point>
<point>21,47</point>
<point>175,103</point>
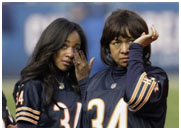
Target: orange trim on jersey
<point>28,109</point>
<point>27,119</point>
<point>147,96</point>
<point>140,96</point>
<point>137,88</point>
<point>27,114</point>
<point>12,126</point>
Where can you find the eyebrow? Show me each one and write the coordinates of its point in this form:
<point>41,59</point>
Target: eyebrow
<point>78,43</point>
<point>127,38</point>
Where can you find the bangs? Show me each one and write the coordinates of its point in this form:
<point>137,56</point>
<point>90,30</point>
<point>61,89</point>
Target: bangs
<point>125,25</point>
<point>119,31</point>
<point>115,31</point>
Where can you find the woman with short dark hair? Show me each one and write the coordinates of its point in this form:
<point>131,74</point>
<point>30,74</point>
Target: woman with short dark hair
<point>117,25</point>
<point>47,95</point>
<point>130,92</point>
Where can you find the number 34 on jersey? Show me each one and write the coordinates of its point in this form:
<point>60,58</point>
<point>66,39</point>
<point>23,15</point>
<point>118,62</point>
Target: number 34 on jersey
<point>118,117</point>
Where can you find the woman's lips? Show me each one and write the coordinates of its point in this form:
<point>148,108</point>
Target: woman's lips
<point>125,59</point>
<point>66,63</point>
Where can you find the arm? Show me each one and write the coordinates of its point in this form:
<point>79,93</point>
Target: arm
<point>143,87</point>
<point>82,70</point>
<point>24,124</point>
<point>83,87</point>
<point>28,103</point>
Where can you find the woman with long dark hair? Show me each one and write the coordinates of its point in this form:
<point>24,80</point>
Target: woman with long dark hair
<point>47,95</point>
<point>130,92</point>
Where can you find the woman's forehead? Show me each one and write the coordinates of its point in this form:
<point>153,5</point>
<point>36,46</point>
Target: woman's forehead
<point>121,36</point>
<point>124,33</point>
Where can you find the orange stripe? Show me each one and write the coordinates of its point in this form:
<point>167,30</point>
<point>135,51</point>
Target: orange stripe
<point>27,114</point>
<point>147,96</point>
<point>28,109</point>
<point>140,96</point>
<point>27,119</point>
<point>137,88</point>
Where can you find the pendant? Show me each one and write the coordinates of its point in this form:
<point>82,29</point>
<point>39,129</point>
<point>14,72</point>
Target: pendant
<point>114,85</point>
<point>61,86</point>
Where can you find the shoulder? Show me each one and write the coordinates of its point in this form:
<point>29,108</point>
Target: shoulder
<point>100,74</point>
<point>97,79</point>
<point>33,84</point>
<point>155,70</point>
<point>29,87</point>
<point>29,101</point>
<point>29,94</point>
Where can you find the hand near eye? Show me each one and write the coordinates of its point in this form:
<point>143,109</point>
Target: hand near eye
<point>146,39</point>
<point>82,68</point>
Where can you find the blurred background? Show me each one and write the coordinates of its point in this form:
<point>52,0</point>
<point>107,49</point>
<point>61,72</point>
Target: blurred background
<point>23,23</point>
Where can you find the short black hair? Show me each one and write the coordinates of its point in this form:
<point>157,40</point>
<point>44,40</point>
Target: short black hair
<point>117,25</point>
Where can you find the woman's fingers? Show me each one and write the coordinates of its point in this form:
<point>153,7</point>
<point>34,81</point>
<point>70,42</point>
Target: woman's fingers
<point>77,59</point>
<point>91,62</point>
<point>82,68</point>
<point>82,56</point>
<point>143,34</point>
<point>146,39</point>
<point>155,33</point>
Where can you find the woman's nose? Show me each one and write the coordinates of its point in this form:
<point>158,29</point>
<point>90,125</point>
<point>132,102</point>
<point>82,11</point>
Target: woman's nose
<point>70,52</point>
<point>124,48</point>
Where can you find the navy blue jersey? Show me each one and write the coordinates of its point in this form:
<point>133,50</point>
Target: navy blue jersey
<point>30,106</point>
<point>124,97</point>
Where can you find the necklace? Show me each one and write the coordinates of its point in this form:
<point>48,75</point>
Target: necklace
<point>61,85</point>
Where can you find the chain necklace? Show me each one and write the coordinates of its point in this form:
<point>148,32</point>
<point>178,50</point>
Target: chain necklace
<point>61,85</point>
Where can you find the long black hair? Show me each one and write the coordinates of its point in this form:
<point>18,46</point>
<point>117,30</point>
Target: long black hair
<point>117,24</point>
<point>41,64</point>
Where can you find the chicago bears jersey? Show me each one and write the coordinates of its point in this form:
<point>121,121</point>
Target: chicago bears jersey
<point>30,106</point>
<point>125,97</point>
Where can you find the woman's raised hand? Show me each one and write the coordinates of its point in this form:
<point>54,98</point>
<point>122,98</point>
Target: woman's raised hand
<point>82,68</point>
<point>146,39</point>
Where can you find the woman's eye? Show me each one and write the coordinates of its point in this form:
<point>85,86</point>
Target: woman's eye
<point>77,49</point>
<point>64,46</point>
<point>130,40</point>
<point>116,43</point>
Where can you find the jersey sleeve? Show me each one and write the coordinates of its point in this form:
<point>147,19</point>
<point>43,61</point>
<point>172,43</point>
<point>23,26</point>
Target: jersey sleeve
<point>28,102</point>
<point>141,82</point>
<point>83,87</point>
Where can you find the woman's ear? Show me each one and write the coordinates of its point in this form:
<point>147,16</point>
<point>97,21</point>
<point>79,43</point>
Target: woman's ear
<point>109,55</point>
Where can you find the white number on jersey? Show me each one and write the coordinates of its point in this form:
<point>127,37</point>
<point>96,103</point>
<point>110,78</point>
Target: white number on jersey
<point>118,117</point>
<point>66,120</point>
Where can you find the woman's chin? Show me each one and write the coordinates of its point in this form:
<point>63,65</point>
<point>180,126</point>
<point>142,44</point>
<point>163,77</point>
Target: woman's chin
<point>64,67</point>
<point>123,65</point>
